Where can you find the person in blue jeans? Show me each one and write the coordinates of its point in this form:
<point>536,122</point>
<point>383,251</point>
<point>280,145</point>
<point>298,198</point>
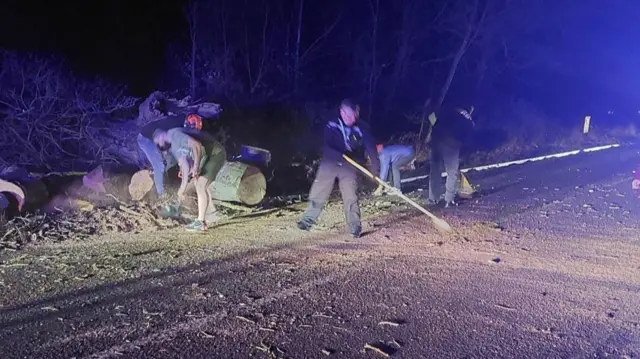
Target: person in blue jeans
<point>393,157</point>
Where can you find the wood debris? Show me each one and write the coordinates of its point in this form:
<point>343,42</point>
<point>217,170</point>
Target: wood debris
<point>393,324</point>
<point>245,319</point>
<point>80,225</point>
<point>207,335</point>
<point>377,350</point>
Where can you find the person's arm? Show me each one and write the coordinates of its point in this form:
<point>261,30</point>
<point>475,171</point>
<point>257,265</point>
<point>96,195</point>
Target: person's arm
<point>169,160</point>
<point>197,150</point>
<point>372,151</point>
<point>333,139</point>
<point>184,168</point>
<point>384,166</point>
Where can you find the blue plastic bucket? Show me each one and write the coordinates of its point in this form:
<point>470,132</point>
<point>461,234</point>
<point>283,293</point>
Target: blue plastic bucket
<point>255,155</point>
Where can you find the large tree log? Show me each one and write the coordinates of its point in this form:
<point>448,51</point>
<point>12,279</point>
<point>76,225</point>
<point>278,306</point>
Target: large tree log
<point>141,184</point>
<point>236,182</point>
<point>239,182</point>
<point>113,183</point>
<point>30,193</point>
<point>5,209</point>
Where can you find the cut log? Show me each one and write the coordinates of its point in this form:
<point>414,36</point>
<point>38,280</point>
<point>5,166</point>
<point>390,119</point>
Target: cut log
<point>12,189</point>
<point>109,182</point>
<point>239,182</point>
<point>236,182</point>
<point>141,184</point>
<point>30,194</point>
<point>4,209</point>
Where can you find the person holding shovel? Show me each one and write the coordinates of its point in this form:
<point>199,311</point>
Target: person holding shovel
<point>342,136</point>
<point>200,158</point>
<point>450,129</point>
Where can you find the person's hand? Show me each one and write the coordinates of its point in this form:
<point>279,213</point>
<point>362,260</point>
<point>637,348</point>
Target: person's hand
<point>194,172</point>
<point>378,191</point>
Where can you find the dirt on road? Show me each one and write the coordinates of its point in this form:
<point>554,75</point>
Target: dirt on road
<point>544,264</point>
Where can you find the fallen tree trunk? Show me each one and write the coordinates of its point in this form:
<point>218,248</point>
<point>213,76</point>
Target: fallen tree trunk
<point>111,183</point>
<point>236,182</point>
<point>5,208</point>
<point>29,193</point>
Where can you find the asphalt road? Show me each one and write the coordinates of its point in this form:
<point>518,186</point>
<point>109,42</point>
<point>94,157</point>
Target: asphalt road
<point>545,264</point>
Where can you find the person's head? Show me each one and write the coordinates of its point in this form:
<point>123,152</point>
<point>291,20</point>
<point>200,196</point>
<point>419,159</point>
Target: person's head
<point>349,112</point>
<point>193,121</point>
<point>379,147</point>
<point>161,139</point>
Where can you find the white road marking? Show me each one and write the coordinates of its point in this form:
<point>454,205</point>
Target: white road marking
<point>519,162</point>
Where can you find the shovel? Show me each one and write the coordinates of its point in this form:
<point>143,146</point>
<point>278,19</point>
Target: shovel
<point>439,223</point>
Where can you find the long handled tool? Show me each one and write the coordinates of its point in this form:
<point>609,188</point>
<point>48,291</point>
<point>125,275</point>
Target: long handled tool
<point>438,222</point>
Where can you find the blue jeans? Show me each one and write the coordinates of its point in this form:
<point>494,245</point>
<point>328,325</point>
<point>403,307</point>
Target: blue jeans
<point>160,162</point>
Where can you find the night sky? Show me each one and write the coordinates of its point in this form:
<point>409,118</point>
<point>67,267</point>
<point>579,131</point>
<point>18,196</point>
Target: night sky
<point>124,40</point>
<point>127,41</point>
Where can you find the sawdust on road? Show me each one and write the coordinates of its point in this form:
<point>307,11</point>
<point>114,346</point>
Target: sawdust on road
<point>550,275</point>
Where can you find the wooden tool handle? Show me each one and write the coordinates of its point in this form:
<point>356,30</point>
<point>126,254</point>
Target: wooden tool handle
<point>407,199</point>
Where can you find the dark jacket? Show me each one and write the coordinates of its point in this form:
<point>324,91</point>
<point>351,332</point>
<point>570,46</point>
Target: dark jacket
<point>451,127</point>
<point>359,143</point>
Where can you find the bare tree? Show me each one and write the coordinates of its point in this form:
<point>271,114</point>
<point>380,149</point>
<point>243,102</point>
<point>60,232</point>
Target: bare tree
<point>367,56</point>
<point>192,19</point>
<point>302,56</point>
<point>52,119</point>
<point>257,55</point>
<point>296,58</point>
<point>406,36</point>
<point>466,20</point>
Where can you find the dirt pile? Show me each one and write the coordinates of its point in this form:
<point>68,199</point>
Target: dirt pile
<point>82,224</point>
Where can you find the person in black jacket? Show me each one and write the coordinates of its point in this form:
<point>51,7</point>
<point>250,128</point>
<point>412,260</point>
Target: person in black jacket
<point>450,129</point>
<point>342,136</point>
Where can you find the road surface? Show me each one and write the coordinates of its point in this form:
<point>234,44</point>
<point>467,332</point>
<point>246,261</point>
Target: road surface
<point>544,264</point>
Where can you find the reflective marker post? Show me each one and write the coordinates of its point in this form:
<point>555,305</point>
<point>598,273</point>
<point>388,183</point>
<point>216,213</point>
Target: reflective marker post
<point>587,123</point>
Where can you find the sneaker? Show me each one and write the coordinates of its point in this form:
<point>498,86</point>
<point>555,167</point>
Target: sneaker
<point>431,202</point>
<point>196,226</point>
<point>305,226</point>
<point>356,233</point>
<point>450,204</point>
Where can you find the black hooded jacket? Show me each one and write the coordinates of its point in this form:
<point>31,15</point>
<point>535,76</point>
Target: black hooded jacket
<point>359,143</point>
<point>451,127</point>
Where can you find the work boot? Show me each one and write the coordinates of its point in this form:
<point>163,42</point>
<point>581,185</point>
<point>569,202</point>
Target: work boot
<point>304,225</point>
<point>196,226</point>
<point>356,232</point>
<point>451,203</point>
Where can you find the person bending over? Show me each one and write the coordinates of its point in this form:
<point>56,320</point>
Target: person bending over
<point>199,159</point>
